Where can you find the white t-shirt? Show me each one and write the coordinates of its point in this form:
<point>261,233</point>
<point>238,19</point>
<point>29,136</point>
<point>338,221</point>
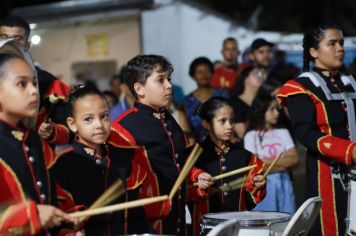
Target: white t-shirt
<point>268,144</point>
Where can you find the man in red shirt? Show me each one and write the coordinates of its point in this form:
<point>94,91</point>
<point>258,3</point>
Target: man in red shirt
<point>226,74</point>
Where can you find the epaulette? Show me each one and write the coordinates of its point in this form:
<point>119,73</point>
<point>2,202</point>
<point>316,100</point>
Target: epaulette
<point>290,88</point>
<point>120,137</point>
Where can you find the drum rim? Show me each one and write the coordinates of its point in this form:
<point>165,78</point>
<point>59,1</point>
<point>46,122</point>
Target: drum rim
<point>246,222</point>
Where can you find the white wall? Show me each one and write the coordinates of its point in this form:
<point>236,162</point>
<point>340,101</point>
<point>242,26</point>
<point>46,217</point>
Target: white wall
<point>182,32</point>
<point>61,46</point>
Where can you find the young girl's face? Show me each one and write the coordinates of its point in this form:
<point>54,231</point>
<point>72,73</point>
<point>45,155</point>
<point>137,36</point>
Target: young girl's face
<point>91,120</point>
<point>272,114</point>
<point>19,97</point>
<point>221,125</point>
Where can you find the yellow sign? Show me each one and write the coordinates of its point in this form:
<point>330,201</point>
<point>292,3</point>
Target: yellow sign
<point>97,46</point>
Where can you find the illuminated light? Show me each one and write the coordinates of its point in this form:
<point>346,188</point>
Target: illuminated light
<point>35,39</point>
<point>33,26</point>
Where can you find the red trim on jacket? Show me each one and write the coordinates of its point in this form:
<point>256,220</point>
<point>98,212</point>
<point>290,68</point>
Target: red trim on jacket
<point>20,219</point>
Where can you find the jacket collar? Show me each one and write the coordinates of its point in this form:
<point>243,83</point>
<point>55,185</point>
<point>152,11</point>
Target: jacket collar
<point>327,73</point>
<point>149,110</point>
<point>18,133</point>
<point>89,152</point>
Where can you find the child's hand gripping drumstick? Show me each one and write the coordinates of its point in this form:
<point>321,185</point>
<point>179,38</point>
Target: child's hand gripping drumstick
<point>258,180</point>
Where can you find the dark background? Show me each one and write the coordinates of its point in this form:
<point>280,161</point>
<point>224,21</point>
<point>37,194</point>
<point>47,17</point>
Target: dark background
<point>270,15</point>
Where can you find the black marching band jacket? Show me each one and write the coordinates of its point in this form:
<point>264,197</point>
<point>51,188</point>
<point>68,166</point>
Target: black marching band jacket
<point>162,155</point>
<point>322,127</point>
<point>216,161</point>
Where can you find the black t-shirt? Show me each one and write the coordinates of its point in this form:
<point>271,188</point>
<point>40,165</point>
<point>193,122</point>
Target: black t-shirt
<point>241,109</point>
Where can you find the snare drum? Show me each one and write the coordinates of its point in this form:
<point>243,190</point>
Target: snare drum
<point>257,223</point>
<point>352,210</point>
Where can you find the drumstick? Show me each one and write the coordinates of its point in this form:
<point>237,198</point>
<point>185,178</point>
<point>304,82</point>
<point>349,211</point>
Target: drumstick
<point>197,150</point>
<point>268,170</point>
<point>232,185</point>
<point>234,172</point>
<point>113,192</point>
<point>118,207</point>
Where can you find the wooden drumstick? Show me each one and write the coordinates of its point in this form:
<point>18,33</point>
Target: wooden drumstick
<point>197,150</point>
<point>232,185</point>
<point>112,193</point>
<point>268,170</point>
<point>118,207</point>
<point>234,172</point>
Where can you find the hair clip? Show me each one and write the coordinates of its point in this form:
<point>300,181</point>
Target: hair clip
<point>77,87</point>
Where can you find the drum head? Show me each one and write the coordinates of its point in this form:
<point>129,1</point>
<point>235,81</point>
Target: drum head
<point>247,218</point>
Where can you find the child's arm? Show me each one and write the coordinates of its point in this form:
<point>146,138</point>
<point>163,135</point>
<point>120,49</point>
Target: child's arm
<point>20,218</point>
<point>29,218</point>
<point>253,180</point>
<point>54,133</point>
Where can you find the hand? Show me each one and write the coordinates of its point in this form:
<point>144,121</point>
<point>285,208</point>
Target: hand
<point>204,180</point>
<point>259,181</point>
<point>46,130</point>
<point>50,217</point>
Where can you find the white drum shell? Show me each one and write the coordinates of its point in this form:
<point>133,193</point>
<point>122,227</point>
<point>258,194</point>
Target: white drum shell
<point>255,223</point>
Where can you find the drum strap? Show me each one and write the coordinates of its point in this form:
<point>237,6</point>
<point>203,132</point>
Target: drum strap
<point>347,97</point>
<point>338,171</point>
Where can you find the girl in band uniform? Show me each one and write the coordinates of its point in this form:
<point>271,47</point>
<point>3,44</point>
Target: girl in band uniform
<point>85,170</point>
<point>24,179</point>
<point>221,156</point>
<point>322,126</point>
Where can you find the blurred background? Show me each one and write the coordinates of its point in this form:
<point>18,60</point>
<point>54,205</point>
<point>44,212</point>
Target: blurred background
<point>94,38</point>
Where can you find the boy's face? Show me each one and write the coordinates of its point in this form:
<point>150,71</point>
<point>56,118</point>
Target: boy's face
<point>19,97</point>
<point>91,120</point>
<point>157,91</point>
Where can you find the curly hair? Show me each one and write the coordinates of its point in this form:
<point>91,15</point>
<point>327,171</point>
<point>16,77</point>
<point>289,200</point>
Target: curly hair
<point>139,68</point>
<point>200,61</point>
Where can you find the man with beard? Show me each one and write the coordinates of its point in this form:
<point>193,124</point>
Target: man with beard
<point>261,54</point>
